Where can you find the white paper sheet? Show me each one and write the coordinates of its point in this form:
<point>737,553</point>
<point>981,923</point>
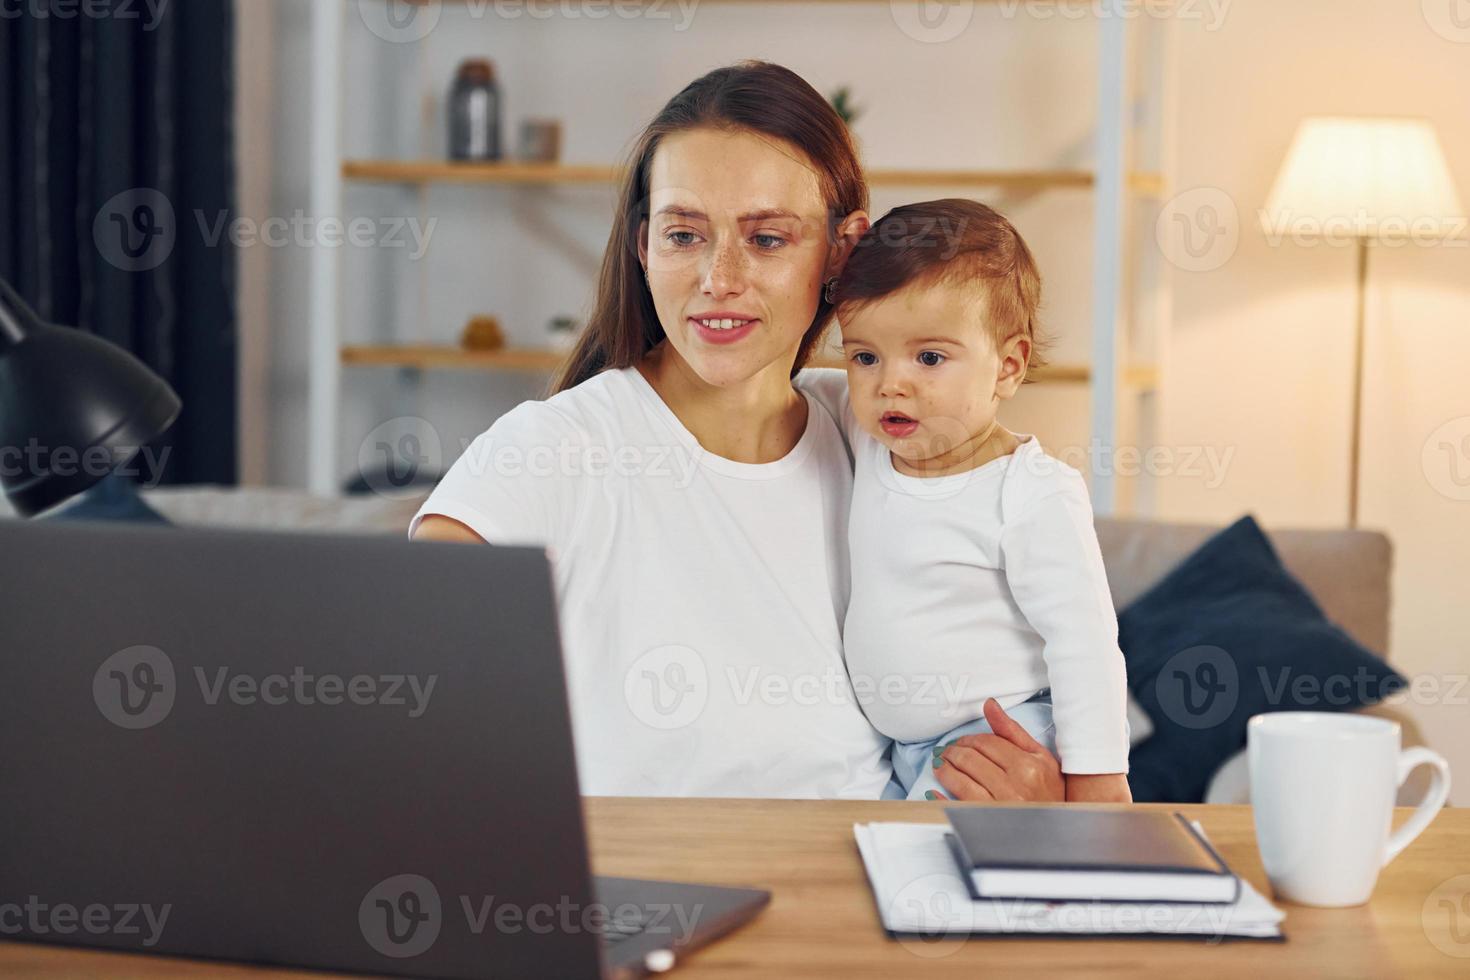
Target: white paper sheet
<point>919,890</point>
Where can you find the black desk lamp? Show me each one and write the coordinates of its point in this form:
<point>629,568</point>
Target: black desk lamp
<point>73,407</point>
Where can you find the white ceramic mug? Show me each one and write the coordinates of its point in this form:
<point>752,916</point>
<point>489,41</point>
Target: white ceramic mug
<point>1323,787</point>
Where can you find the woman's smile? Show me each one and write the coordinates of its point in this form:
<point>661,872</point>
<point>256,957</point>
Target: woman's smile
<point>723,326</point>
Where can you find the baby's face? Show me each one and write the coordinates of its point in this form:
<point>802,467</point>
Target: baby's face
<point>922,368</point>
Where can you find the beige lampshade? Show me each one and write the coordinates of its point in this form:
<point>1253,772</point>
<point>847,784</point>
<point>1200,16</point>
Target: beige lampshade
<point>1371,178</point>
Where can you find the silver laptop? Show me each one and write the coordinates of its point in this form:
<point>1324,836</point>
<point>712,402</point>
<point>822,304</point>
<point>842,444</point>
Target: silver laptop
<point>342,753</point>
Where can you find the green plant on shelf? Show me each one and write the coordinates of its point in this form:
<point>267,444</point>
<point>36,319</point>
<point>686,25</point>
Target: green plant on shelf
<point>842,103</point>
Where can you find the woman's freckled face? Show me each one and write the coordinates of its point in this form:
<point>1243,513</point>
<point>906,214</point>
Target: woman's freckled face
<point>737,226</point>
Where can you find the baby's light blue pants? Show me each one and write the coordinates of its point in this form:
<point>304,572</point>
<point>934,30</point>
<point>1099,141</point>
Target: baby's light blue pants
<point>913,762</point>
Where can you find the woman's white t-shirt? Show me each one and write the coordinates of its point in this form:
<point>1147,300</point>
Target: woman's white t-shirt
<point>701,599</point>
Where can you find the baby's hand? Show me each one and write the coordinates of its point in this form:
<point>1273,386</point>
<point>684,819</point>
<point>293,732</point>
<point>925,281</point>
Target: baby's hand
<point>1109,787</point>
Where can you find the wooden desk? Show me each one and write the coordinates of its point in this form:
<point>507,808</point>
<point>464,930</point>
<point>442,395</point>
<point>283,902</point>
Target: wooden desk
<point>822,921</point>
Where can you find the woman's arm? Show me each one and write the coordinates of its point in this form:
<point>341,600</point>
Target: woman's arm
<point>435,527</point>
<point>1006,766</point>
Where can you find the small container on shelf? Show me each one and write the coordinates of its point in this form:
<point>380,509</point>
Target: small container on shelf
<point>562,333</point>
<point>540,140</point>
<point>474,112</point>
<point>482,333</point>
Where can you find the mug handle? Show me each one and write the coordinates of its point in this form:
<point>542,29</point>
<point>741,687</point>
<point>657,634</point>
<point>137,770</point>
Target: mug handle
<point>1434,800</point>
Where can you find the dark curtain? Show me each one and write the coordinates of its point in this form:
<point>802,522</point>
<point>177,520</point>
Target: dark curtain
<point>118,164</point>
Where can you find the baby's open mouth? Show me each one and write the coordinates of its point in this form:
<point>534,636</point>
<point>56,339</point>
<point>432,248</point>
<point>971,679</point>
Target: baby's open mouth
<point>898,425</point>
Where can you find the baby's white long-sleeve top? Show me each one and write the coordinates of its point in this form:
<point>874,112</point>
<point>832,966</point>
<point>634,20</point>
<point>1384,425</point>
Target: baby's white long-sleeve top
<point>988,583</point>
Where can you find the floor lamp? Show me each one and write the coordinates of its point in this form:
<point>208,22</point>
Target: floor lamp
<point>1359,181</point>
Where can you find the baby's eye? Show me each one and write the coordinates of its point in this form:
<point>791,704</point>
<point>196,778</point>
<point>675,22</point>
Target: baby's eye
<point>931,358</point>
<point>865,358</point>
<point>675,237</point>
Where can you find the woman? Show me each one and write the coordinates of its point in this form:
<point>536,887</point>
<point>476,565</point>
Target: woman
<point>692,487</point>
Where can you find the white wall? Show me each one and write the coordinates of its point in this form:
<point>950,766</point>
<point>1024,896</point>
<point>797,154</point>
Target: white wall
<point>1260,352</point>
<point>1258,359</point>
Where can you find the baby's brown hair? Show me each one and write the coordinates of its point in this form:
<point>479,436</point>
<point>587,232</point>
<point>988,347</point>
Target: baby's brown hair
<point>951,240</point>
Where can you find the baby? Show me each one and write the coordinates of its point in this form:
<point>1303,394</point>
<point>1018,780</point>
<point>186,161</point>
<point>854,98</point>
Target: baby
<point>976,572</point>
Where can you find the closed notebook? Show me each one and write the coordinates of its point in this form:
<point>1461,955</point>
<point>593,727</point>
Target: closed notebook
<point>1071,853</point>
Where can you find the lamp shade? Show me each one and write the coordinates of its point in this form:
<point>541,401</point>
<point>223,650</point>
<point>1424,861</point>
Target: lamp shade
<point>1368,178</point>
<point>73,408</point>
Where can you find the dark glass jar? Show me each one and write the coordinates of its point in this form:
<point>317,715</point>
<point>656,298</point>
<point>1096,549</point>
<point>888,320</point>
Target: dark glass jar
<point>474,112</point>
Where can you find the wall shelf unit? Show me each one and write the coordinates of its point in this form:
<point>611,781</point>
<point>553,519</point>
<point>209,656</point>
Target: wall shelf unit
<point>1122,383</point>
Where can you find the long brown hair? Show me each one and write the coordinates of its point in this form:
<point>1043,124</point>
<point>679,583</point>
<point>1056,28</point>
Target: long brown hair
<point>751,95</point>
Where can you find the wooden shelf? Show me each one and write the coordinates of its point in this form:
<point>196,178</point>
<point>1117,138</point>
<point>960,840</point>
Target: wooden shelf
<point>429,357</point>
<point>450,172</point>
<point>512,172</point>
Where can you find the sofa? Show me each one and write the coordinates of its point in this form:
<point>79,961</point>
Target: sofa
<point>1347,571</point>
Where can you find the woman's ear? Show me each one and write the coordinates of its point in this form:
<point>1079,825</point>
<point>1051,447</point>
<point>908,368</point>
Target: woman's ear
<point>643,245</point>
<point>849,230</point>
<point>1015,358</point>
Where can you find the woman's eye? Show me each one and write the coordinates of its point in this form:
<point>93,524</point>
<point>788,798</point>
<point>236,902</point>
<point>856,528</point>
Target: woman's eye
<point>865,359</point>
<point>681,238</point>
<point>769,241</point>
<point>931,358</point>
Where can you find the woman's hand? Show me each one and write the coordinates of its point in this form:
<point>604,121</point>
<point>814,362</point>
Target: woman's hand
<point>1006,766</point>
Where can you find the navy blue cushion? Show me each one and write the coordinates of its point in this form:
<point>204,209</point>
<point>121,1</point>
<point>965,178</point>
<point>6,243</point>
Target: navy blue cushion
<point>1228,634</point>
<point>113,498</point>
